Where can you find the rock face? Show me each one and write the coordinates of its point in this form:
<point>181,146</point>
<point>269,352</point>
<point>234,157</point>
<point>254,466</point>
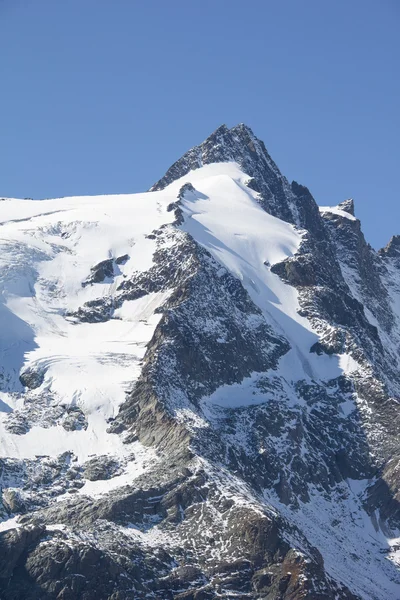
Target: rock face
<point>220,416</point>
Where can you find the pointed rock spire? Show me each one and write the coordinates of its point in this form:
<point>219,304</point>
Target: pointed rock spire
<point>392,250</point>
<point>347,206</point>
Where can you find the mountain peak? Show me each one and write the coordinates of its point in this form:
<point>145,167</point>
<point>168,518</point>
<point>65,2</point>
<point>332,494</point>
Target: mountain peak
<point>347,206</point>
<point>291,203</point>
<point>220,130</point>
<point>392,249</point>
<point>242,127</point>
<point>239,144</point>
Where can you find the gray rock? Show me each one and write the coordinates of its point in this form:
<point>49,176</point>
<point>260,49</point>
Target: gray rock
<point>101,467</point>
<point>74,419</point>
<point>12,501</point>
<point>101,271</point>
<point>13,545</point>
<point>32,378</point>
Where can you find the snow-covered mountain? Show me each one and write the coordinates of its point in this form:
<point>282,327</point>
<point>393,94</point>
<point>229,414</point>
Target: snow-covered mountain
<point>199,391</point>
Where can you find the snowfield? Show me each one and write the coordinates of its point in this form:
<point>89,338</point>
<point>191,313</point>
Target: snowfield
<point>48,248</point>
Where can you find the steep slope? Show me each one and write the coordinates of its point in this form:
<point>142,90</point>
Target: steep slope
<point>199,391</point>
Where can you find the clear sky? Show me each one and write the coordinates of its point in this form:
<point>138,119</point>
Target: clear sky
<point>101,96</point>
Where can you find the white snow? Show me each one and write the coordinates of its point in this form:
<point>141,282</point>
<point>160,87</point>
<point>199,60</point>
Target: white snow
<point>47,249</point>
<point>11,523</point>
<point>251,391</point>
<point>337,211</point>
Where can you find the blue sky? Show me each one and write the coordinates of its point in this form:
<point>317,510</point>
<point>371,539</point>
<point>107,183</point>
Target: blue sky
<point>101,96</point>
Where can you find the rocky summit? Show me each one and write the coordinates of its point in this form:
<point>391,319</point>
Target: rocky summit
<point>199,391</point>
